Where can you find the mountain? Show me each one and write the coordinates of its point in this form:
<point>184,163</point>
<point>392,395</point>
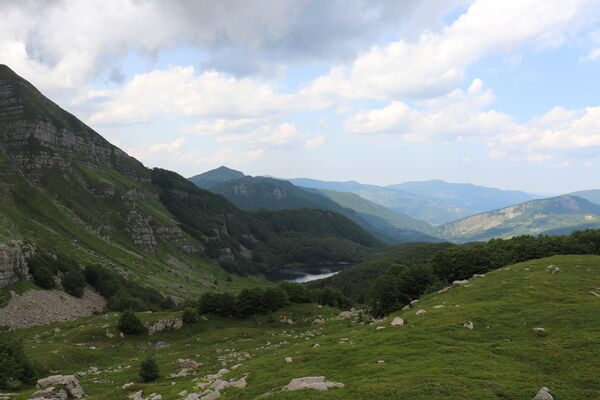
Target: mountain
<point>215,176</point>
<point>69,194</point>
<point>467,196</point>
<point>590,195</point>
<point>253,193</point>
<point>562,214</point>
<point>431,210</point>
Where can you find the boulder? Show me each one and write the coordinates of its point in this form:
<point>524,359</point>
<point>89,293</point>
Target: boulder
<point>475,276</point>
<point>311,382</point>
<point>543,394</point>
<point>539,330</point>
<point>50,393</point>
<point>406,307</point>
<point>412,303</point>
<point>316,345</point>
<point>468,325</point>
<point>210,396</point>
<point>460,283</point>
<point>187,363</point>
<point>397,322</point>
<point>219,384</point>
<point>345,315</point>
<point>420,312</point>
<point>239,384</point>
<point>318,321</point>
<point>70,383</point>
<point>380,327</point>
<point>288,360</point>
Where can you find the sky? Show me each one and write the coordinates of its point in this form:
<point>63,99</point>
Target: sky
<point>500,93</point>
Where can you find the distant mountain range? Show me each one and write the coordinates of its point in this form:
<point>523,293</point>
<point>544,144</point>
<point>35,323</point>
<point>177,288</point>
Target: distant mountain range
<point>435,201</point>
<point>253,193</point>
<point>557,215</point>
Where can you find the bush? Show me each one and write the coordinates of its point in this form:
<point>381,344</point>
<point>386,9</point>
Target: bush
<point>74,282</point>
<point>189,315</point>
<point>131,324</point>
<point>43,277</point>
<point>15,367</point>
<point>221,304</point>
<point>297,292</point>
<point>149,370</point>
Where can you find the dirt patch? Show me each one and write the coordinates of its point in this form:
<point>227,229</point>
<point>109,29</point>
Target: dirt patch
<point>39,307</point>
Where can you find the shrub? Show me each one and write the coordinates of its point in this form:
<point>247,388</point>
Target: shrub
<point>297,292</point>
<point>74,282</point>
<point>15,367</point>
<point>189,315</point>
<point>131,324</point>
<point>149,370</point>
<point>43,277</point>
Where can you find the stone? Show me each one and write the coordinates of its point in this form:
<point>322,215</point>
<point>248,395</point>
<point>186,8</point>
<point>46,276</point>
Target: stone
<point>595,294</point>
<point>468,325</point>
<point>316,345</point>
<point>213,395</point>
<point>161,345</point>
<point>239,384</point>
<point>311,382</point>
<point>285,320</point>
<point>380,327</point>
<point>420,312</point>
<point>137,396</point>
<point>460,283</point>
<point>345,315</point>
<point>187,363</point>
<point>182,393</point>
<point>288,360</point>
<point>539,330</point>
<point>161,325</point>
<point>126,385</point>
<point>406,307</point>
<point>381,362</point>
<point>220,384</point>
<point>475,276</point>
<point>50,393</point>
<point>438,306</point>
<point>543,394</point>
<point>70,383</point>
<point>318,321</point>
<point>397,322</point>
<point>412,303</point>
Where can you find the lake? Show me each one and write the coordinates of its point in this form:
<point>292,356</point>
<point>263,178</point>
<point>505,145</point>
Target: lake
<point>305,273</point>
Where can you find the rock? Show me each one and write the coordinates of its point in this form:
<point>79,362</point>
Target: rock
<point>539,330</point>
<point>412,303</point>
<point>236,366</point>
<point>406,307</point>
<point>161,325</point>
<point>161,345</point>
<point>468,325</point>
<point>438,306</point>
<point>543,394</point>
<point>285,320</point>
<point>182,393</point>
<point>475,276</point>
<point>288,360</point>
<point>380,327</point>
<point>460,283</point>
<point>311,382</point>
<point>345,315</point>
<point>70,383</point>
<point>137,396</point>
<point>556,270</point>
<point>397,322</point>
<point>595,294</point>
<point>318,321</point>
<point>193,396</point>
<point>12,263</point>
<point>219,384</point>
<point>125,386</point>
<point>316,345</point>
<point>420,312</point>
<point>381,362</point>
<point>213,395</point>
<point>50,393</point>
<point>187,363</point>
<point>222,372</point>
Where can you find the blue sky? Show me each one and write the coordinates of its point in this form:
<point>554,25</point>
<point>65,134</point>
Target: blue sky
<point>498,93</point>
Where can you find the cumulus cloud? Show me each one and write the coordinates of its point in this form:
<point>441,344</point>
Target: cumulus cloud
<point>179,91</point>
<point>315,141</point>
<point>437,61</point>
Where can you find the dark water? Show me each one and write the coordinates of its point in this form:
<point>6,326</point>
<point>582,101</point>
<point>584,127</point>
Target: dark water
<point>305,273</point>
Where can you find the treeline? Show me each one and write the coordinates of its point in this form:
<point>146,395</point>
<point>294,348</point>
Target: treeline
<point>415,269</point>
<point>259,300</point>
<point>121,294</point>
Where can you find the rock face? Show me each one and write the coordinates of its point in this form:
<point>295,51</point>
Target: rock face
<point>543,394</point>
<point>311,382</point>
<point>12,263</point>
<point>69,383</point>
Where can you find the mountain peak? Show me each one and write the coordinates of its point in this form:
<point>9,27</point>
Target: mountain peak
<point>216,176</point>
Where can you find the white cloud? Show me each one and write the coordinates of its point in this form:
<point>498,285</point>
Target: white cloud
<point>169,147</point>
<point>593,55</point>
<point>563,164</point>
<point>436,62</point>
<point>179,91</point>
<point>272,135</point>
<point>253,154</point>
<point>495,154</point>
<point>315,141</point>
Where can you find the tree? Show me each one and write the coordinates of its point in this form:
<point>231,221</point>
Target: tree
<point>131,324</point>
<point>149,370</point>
<point>15,367</point>
<point>189,315</point>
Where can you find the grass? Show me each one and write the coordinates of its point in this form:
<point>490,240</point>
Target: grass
<point>432,356</point>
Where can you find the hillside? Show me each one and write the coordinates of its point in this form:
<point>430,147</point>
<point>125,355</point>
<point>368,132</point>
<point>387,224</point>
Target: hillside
<point>252,193</point>
<point>69,194</point>
<point>469,197</point>
<point>561,214</point>
<point>424,359</point>
<point>215,176</point>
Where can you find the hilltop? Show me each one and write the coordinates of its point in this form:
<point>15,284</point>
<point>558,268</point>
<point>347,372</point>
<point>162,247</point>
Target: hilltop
<point>562,214</point>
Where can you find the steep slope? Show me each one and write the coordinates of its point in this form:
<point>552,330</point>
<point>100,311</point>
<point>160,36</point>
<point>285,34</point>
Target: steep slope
<point>69,192</point>
<point>589,195</point>
<point>215,176</point>
<point>431,210</point>
<point>469,197</point>
<point>252,193</point>
<point>431,357</point>
<point>561,214</point>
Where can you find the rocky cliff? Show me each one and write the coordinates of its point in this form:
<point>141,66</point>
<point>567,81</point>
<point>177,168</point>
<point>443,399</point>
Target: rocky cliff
<point>12,263</point>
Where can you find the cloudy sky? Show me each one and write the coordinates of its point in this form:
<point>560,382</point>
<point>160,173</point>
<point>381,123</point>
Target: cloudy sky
<point>502,93</point>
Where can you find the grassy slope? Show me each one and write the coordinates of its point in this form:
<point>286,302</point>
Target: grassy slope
<point>433,356</point>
